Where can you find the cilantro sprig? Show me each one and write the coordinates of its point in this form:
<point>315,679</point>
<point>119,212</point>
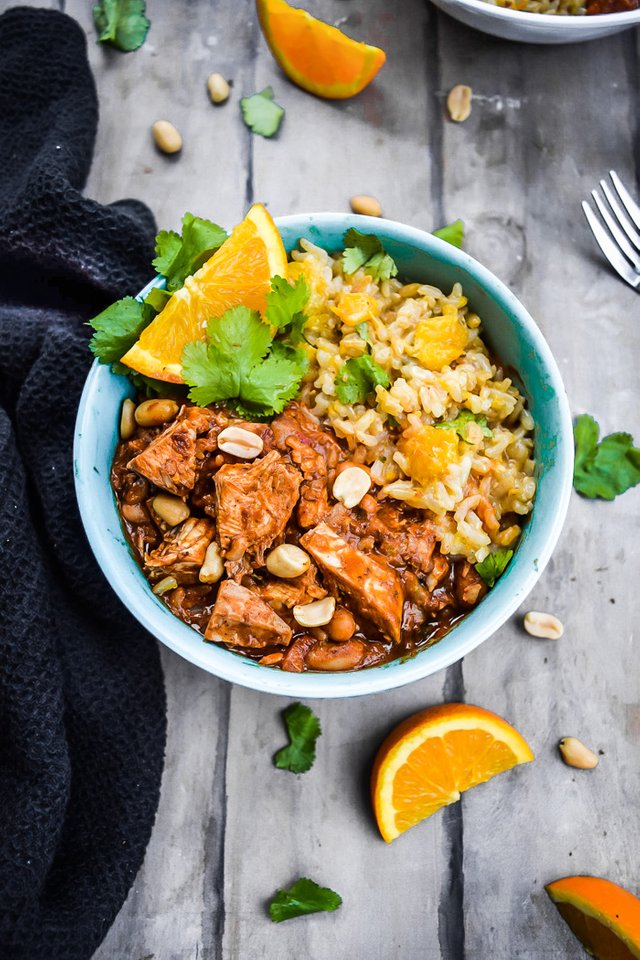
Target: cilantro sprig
<point>261,113</point>
<point>303,897</point>
<point>494,565</point>
<point>453,233</point>
<point>607,468</point>
<point>179,255</point>
<point>365,250</point>
<point>121,23</point>
<point>462,421</point>
<point>304,729</point>
<point>359,377</point>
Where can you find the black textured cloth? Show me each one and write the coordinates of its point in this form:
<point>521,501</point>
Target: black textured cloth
<point>82,705</point>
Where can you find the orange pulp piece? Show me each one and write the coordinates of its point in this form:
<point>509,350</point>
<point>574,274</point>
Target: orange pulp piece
<point>316,56</point>
<point>432,757</point>
<point>429,451</point>
<point>603,916</point>
<point>239,272</point>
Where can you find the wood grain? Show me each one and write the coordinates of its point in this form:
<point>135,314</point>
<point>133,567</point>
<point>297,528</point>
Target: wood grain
<point>547,123</point>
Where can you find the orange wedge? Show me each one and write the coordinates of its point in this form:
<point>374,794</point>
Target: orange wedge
<point>432,757</point>
<point>316,56</point>
<point>603,916</point>
<point>239,272</point>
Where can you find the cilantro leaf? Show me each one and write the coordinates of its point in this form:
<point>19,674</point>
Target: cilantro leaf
<point>211,377</point>
<point>116,329</point>
<point>365,250</point>
<point>276,381</point>
<point>178,257</point>
<point>261,113</point>
<point>453,233</point>
<point>493,565</point>
<point>304,896</point>
<point>359,377</point>
<point>462,421</point>
<point>362,329</point>
<point>285,307</point>
<point>304,729</point>
<point>605,469</point>
<point>121,23</point>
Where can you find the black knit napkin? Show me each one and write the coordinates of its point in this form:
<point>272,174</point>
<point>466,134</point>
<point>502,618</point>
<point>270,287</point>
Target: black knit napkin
<point>82,706</point>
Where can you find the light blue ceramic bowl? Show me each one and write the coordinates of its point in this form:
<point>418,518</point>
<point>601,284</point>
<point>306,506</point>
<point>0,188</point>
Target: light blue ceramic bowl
<point>515,338</point>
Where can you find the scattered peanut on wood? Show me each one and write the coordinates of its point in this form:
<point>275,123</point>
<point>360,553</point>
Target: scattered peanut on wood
<point>366,205</point>
<point>575,754</point>
<point>218,88</point>
<point>543,625</point>
<point>459,102</point>
<point>166,136</point>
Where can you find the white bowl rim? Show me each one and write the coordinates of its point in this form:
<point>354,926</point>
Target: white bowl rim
<point>578,23</point>
<point>179,637</point>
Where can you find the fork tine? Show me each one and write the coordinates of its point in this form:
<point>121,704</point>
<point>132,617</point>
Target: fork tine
<point>608,247</point>
<point>616,233</point>
<point>631,206</point>
<point>623,220</point>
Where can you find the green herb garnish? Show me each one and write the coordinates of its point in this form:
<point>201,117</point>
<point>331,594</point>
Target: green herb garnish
<point>179,256</point>
<point>116,329</point>
<point>304,729</point>
<point>462,421</point>
<point>362,329</point>
<point>285,307</point>
<point>605,469</point>
<point>365,250</point>
<point>359,377</point>
<point>261,113</point>
<point>493,565</point>
<point>453,233</point>
<point>121,23</point>
<point>304,896</point>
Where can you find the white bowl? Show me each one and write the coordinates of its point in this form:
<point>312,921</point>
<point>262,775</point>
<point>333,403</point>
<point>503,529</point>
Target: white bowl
<point>536,27</point>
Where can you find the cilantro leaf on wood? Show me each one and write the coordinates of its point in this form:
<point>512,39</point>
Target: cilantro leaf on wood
<point>462,421</point>
<point>365,250</point>
<point>453,233</point>
<point>285,307</point>
<point>261,113</point>
<point>180,256</point>
<point>116,329</point>
<point>121,23</point>
<point>304,896</point>
<point>605,469</point>
<point>359,377</point>
<point>494,565</point>
<point>304,729</point>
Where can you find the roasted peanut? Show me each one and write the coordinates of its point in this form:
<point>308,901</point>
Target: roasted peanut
<point>325,655</point>
<point>166,137</point>
<point>459,102</point>
<point>351,485</point>
<point>153,413</point>
<point>212,569</point>
<point>288,561</point>
<point>342,626</point>
<point>164,585</point>
<point>543,625</point>
<point>134,512</point>
<point>127,419</point>
<point>171,509</point>
<point>270,659</point>
<point>315,614</point>
<point>218,88</point>
<point>239,442</point>
<point>366,205</point>
<point>575,754</point>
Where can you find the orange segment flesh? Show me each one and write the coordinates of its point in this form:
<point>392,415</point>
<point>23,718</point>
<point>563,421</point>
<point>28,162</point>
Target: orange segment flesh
<point>239,272</point>
<point>316,56</point>
<point>433,756</point>
<point>604,916</point>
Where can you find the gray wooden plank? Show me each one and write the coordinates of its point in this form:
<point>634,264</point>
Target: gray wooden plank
<point>520,167</point>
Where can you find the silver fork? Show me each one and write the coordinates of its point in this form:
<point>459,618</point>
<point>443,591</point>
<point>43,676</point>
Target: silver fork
<point>621,244</point>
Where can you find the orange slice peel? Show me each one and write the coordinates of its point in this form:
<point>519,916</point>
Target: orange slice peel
<point>604,916</point>
<point>316,56</point>
<point>433,756</point>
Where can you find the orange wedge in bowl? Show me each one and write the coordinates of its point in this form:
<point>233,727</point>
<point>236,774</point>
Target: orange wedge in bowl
<point>316,56</point>
<point>432,757</point>
<point>603,916</point>
<point>239,272</point>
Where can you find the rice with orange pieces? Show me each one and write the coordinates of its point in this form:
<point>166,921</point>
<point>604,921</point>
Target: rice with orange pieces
<point>449,433</point>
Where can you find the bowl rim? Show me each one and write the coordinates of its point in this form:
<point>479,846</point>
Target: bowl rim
<point>525,17</point>
<point>497,607</point>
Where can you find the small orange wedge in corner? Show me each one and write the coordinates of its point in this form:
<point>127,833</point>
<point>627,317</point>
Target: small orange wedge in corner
<point>316,56</point>
<point>429,759</point>
<point>603,916</point>
<point>239,272</point>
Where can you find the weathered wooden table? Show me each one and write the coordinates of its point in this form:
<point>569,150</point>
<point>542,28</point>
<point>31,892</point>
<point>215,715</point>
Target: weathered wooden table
<point>547,123</point>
